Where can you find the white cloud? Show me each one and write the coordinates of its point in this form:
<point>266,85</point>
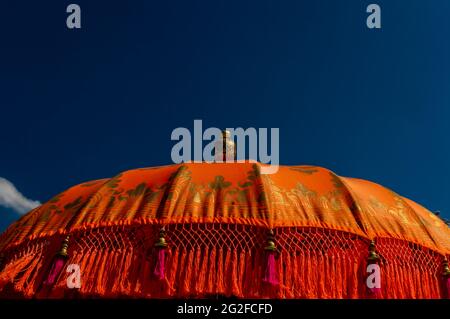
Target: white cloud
<point>10,197</point>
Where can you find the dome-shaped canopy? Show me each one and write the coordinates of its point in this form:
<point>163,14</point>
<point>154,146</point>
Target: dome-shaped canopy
<point>296,197</point>
<point>236,193</point>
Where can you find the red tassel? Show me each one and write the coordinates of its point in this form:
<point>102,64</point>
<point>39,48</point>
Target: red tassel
<point>159,270</point>
<point>270,275</point>
<point>55,270</point>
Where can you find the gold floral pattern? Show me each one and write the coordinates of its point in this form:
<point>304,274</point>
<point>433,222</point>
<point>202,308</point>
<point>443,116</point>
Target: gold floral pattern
<point>237,192</point>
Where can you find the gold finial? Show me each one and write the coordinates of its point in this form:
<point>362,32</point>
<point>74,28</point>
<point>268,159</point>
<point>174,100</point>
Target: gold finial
<point>271,242</point>
<point>446,268</point>
<point>226,133</point>
<point>225,148</point>
<point>373,256</point>
<point>161,243</point>
<point>64,247</point>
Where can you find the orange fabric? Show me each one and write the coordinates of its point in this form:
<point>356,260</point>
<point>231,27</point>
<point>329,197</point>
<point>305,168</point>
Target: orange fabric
<point>305,196</point>
<point>222,259</point>
<point>216,217</point>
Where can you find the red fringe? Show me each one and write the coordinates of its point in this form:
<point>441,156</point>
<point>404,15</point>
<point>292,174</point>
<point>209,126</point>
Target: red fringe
<point>211,271</point>
<point>202,266</point>
<point>20,274</point>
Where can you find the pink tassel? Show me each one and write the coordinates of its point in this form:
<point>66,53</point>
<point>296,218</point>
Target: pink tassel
<point>271,276</point>
<point>374,292</point>
<point>159,271</point>
<point>447,285</point>
<point>55,270</point>
<point>373,270</point>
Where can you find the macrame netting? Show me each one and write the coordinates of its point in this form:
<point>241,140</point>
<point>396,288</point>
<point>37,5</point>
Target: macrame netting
<point>217,257</point>
<point>205,260</point>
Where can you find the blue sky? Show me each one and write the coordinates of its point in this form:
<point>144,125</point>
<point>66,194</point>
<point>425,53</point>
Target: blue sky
<point>78,105</point>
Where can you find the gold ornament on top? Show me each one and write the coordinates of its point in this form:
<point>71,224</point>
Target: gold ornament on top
<point>225,149</point>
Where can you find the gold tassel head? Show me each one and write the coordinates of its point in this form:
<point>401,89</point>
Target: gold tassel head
<point>64,247</point>
<point>161,243</point>
<point>446,268</point>
<point>373,256</point>
<point>270,246</point>
<point>2,259</point>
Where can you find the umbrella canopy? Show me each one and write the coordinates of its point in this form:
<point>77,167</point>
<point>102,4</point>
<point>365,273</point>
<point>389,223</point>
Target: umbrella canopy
<point>201,230</point>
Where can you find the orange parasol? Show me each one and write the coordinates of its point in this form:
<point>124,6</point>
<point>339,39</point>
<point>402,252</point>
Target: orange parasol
<point>202,230</point>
